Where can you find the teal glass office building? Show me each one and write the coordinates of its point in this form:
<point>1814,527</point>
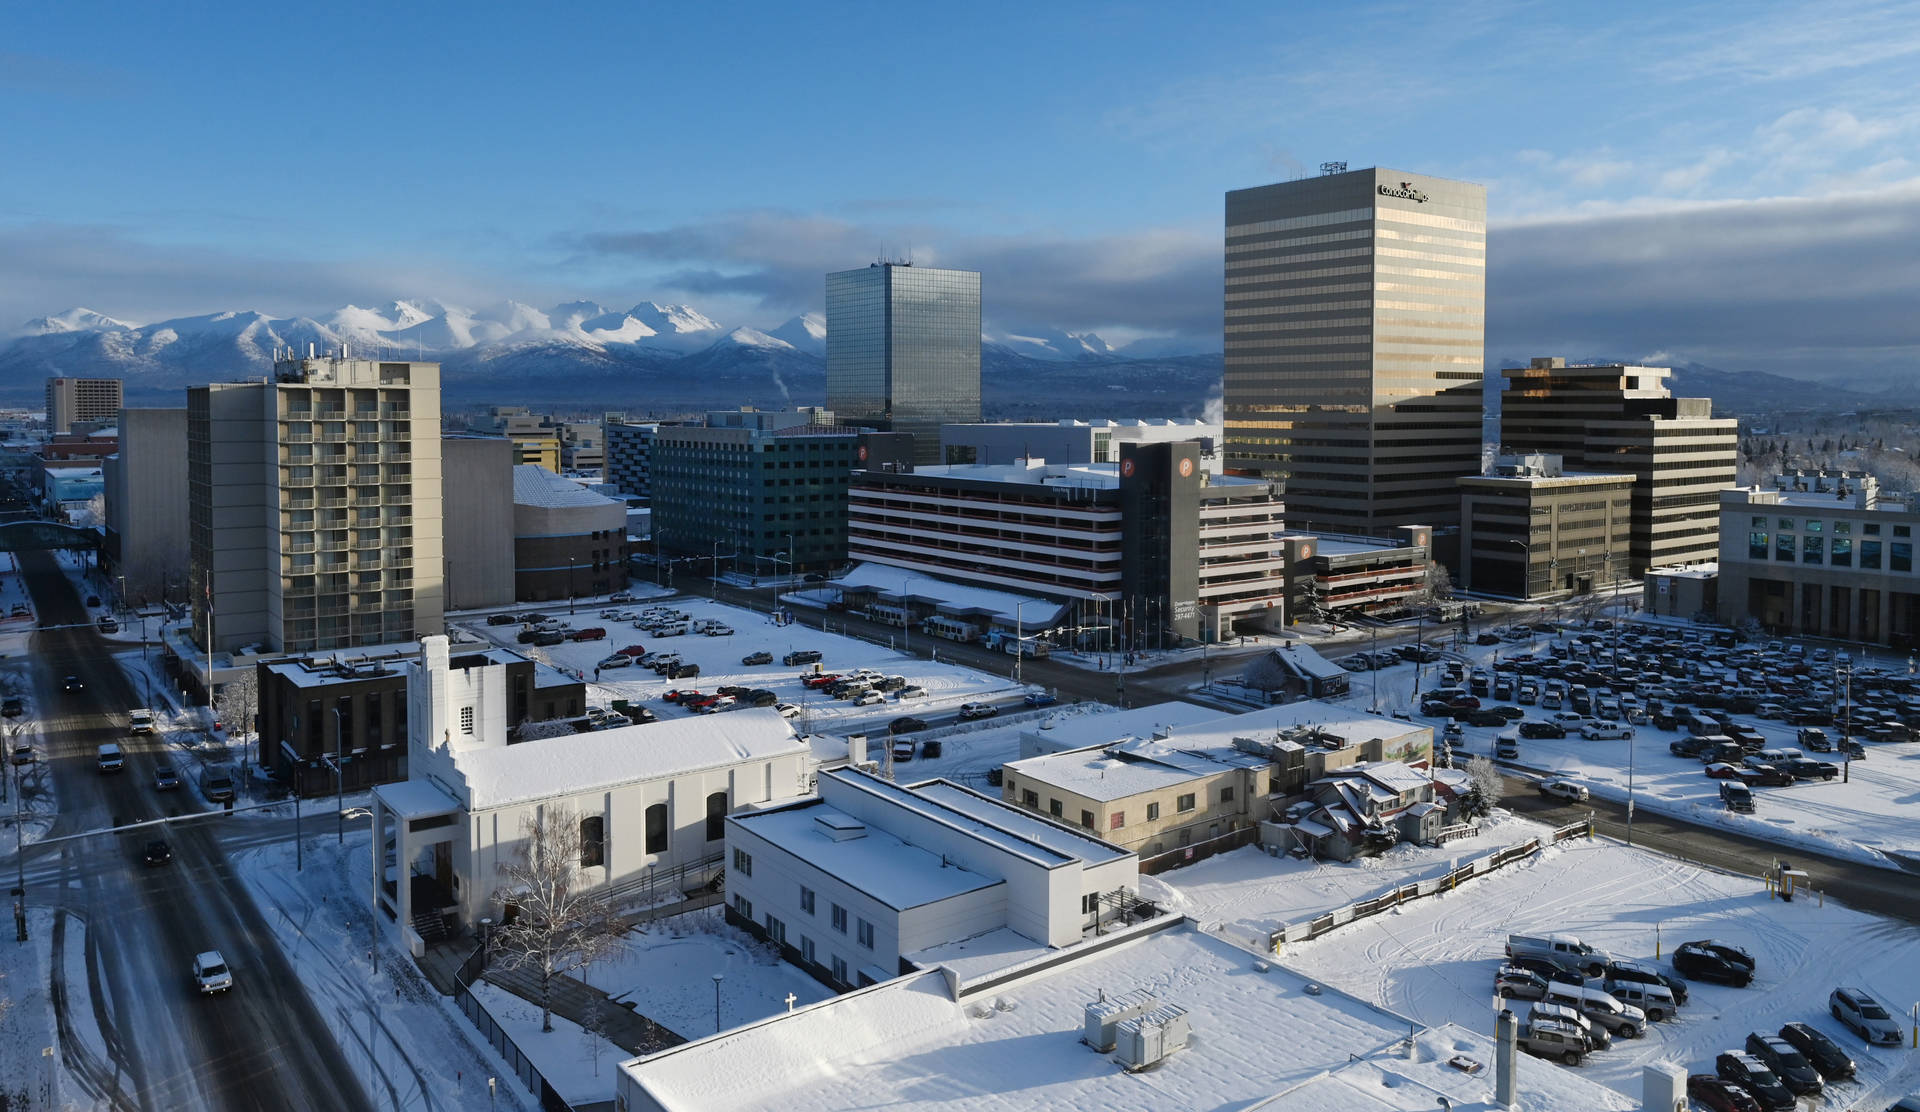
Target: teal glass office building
<point>903,350</point>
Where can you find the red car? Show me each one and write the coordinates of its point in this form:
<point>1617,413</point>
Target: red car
<point>825,679</point>
<point>678,695</point>
<point>1720,770</point>
<point>1720,1096</point>
<point>591,633</point>
<point>699,702</point>
<point>632,650</point>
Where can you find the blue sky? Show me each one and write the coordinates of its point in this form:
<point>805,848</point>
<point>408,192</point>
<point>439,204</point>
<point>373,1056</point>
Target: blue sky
<point>165,160</point>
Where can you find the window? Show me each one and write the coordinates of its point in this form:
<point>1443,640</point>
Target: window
<point>1903,530</point>
<point>1086,819</point>
<point>744,906</point>
<point>1871,528</point>
<point>1870,553</point>
<point>1186,835</point>
<point>1811,526</point>
<point>1030,799</point>
<point>840,970</point>
<point>806,899</point>
<point>1184,803</point>
<point>466,720</point>
<point>1902,556</point>
<point>742,862</point>
<point>1226,794</point>
<point>839,918</point>
<point>1786,523</point>
<point>1840,553</point>
<point>1813,550</point>
<point>1153,812</point>
<point>776,930</point>
<point>657,828</point>
<point>863,930</point>
<point>1054,808</point>
<point>1089,903</point>
<point>806,951</point>
<point>1843,528</point>
<point>1117,820</point>
<point>1783,548</point>
<point>593,841</point>
<point>1760,521</point>
<point>716,816</point>
<point>1756,546</point>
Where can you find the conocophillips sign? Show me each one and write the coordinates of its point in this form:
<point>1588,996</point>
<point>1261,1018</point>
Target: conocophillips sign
<point>1406,192</point>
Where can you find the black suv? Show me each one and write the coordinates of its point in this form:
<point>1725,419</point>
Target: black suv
<point>1752,1074</point>
<point>1691,959</point>
<point>1793,1069</point>
<point>1542,730</point>
<point>1814,1045</point>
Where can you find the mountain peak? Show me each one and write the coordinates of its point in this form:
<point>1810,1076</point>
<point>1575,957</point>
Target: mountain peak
<point>76,319</point>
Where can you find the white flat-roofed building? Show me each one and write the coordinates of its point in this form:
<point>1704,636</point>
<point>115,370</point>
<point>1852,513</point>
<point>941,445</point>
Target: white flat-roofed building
<point>1261,1038</point>
<point>1072,441</point>
<point>850,882</point>
<point>1065,730</point>
<point>650,799</point>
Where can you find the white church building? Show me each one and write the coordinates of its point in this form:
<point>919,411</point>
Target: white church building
<point>652,800</point>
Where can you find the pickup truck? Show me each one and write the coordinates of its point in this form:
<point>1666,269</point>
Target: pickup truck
<point>1568,951</point>
<point>139,722</point>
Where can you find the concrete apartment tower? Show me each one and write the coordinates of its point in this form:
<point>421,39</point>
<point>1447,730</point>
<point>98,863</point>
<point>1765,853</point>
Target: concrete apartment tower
<point>1623,419</point>
<point>1355,332</point>
<point>81,399</point>
<point>314,506</point>
<point>903,350</point>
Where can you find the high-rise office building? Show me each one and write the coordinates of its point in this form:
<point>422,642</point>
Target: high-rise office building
<point>314,506</point>
<point>903,350</point>
<point>146,489</point>
<point>1624,419</point>
<point>81,399</point>
<point>1355,326</point>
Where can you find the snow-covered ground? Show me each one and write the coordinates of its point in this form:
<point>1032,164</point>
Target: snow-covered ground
<point>1865,818</point>
<point>32,1077</point>
<point>1434,959</point>
<point>947,685</point>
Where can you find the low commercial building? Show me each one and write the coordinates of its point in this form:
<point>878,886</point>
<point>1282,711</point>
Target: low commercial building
<point>1185,793</point>
<point>1295,671</point>
<point>567,540</point>
<point>1685,592</point>
<point>1822,555</point>
<point>312,708</point>
<point>1342,576</point>
<point>1532,530</point>
<point>853,882</point>
<point>1370,808</point>
<point>651,801</point>
<point>1150,547</point>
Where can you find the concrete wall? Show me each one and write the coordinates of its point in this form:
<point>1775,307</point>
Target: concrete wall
<point>478,505</point>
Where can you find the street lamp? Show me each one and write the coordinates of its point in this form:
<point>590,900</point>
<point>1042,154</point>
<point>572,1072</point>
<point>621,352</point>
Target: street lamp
<point>717,978</point>
<point>1526,568</point>
<point>570,595</point>
<point>1019,635</point>
<point>906,617</point>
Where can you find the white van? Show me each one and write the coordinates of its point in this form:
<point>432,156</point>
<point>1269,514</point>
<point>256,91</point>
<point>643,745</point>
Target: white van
<point>1601,1007</point>
<point>1656,1001</point>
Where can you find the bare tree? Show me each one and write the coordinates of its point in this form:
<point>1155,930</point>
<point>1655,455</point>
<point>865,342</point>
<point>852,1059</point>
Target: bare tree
<point>235,703</point>
<point>560,924</point>
<point>1487,786</point>
<point>593,1032</point>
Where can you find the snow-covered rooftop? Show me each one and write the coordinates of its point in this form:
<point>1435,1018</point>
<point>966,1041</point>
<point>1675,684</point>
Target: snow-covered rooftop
<point>959,801</point>
<point>413,799</point>
<point>898,875</point>
<point>958,596</point>
<point>1074,731</point>
<point>908,1045</point>
<point>560,766</point>
<point>1136,765</point>
<point>1341,544</point>
<point>534,485</point>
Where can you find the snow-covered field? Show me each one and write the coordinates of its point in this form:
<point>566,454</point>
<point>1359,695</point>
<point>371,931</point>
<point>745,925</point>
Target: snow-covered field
<point>947,685</point>
<point>1864,819</point>
<point>1434,959</point>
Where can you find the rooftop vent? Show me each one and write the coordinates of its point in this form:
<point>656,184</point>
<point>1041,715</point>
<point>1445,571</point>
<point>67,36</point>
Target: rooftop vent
<point>840,827</point>
<point>1105,1015</point>
<point>1148,1038</point>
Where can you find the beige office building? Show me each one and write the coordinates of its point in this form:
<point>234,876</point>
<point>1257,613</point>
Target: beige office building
<point>1355,330</point>
<point>314,506</point>
<point>71,400</point>
<point>1622,419</point>
<point>1533,530</point>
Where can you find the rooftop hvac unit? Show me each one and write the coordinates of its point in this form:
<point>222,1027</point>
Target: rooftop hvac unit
<point>1107,1013</point>
<point>1147,1038</point>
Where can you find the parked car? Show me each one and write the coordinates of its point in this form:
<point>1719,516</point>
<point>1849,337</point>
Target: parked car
<point>801,656</point>
<point>761,657</point>
<point>1814,1045</point>
<point>679,671</point>
<point>1623,970</point>
<point>869,699</point>
<point>1515,983</point>
<point>210,972</point>
<point>1806,768</point>
<point>548,637</point>
<point>1752,1074</point>
<point>1788,1064</point>
<point>978,710</point>
<point>1694,960</point>
<point>787,710</point>
<point>1864,1016</point>
<point>1039,699</point>
<point>1484,717</point>
<point>1560,788</point>
<point>1718,1095</point>
<point>1548,969</point>
<point>591,633</point>
<point>1534,729</point>
<point>501,619</point>
<point>1606,731</point>
<point>678,694</point>
<point>1737,797</point>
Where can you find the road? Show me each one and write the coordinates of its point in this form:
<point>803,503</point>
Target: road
<point>262,1045</point>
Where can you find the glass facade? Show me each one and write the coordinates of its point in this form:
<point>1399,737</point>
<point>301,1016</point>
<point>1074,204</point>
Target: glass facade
<point>1355,323</point>
<point>903,350</point>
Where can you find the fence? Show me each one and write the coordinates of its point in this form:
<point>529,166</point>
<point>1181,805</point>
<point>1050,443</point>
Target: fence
<point>1387,901</point>
<point>496,1036</point>
<point>644,890</point>
<point>1199,851</point>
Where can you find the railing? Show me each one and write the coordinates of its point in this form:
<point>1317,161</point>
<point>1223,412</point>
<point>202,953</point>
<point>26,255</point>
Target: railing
<point>521,1066</point>
<point>639,888</point>
<point>1446,882</point>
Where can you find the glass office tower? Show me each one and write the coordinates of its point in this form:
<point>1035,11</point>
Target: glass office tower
<point>903,350</point>
<point>1355,329</point>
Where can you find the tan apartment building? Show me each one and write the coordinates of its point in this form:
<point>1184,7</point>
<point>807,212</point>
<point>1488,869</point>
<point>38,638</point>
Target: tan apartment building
<point>81,400</point>
<point>314,506</point>
<point>1623,419</point>
<point>1533,530</point>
